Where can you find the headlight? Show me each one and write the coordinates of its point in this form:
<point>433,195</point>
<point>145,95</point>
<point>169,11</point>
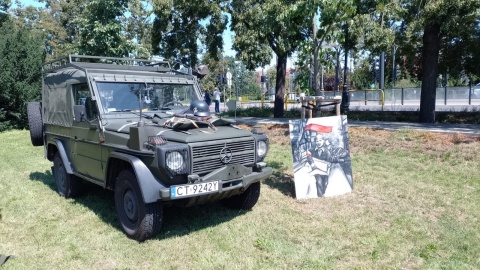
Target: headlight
<point>261,149</point>
<point>174,161</point>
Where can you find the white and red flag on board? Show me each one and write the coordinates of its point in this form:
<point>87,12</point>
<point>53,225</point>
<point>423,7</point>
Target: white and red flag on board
<point>318,128</point>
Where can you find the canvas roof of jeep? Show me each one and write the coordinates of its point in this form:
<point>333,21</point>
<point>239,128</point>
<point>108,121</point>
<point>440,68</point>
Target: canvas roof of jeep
<point>61,74</point>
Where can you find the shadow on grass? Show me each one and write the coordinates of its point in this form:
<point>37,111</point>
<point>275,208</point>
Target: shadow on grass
<point>280,180</point>
<point>180,221</point>
<point>45,177</point>
<point>177,221</point>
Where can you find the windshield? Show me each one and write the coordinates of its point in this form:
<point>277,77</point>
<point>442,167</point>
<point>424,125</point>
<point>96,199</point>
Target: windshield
<point>126,96</point>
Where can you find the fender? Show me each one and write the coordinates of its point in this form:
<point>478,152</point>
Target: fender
<point>147,182</point>
<point>63,155</point>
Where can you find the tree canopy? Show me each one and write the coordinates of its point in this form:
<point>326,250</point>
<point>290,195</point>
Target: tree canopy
<point>4,6</point>
<point>101,31</point>
<point>433,37</point>
<point>179,25</point>
<point>273,25</point>
<point>21,57</point>
<point>429,31</point>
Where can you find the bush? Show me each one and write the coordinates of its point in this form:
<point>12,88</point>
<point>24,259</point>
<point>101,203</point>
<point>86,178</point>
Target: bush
<point>21,58</point>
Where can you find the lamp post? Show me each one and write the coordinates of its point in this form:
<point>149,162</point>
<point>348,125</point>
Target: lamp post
<point>237,79</point>
<point>394,73</point>
<point>263,81</point>
<point>326,58</point>
<point>321,82</point>
<point>345,98</point>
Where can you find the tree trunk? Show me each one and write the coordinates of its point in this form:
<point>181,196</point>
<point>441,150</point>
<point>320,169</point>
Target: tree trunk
<point>430,54</point>
<point>279,110</point>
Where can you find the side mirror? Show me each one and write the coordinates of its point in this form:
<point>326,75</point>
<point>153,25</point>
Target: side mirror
<point>79,113</point>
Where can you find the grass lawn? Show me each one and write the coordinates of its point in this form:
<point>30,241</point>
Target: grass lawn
<point>415,205</point>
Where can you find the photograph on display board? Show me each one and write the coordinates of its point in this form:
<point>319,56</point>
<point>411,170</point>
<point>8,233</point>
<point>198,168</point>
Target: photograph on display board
<point>321,157</point>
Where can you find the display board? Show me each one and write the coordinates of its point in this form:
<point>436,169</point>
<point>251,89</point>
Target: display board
<point>321,157</point>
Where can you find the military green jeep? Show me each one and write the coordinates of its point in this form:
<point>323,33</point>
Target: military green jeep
<point>141,129</point>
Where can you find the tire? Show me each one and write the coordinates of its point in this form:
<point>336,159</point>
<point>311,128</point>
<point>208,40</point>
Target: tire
<point>68,185</point>
<point>35,123</point>
<point>139,221</point>
<point>245,200</point>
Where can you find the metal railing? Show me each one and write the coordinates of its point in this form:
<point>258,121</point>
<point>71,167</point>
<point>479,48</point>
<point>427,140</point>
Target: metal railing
<point>463,95</point>
<point>387,97</point>
<point>292,99</point>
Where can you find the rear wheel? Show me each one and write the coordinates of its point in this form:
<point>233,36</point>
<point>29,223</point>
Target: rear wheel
<point>245,200</point>
<point>138,220</point>
<point>68,185</point>
<point>35,123</point>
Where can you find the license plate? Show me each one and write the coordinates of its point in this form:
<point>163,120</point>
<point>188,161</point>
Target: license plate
<point>193,189</point>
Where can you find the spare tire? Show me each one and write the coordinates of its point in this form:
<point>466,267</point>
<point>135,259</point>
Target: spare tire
<point>35,123</point>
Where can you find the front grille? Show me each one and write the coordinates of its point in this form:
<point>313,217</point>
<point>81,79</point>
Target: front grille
<point>206,155</point>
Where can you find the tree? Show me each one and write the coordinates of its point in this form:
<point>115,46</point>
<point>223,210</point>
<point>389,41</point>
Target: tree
<point>245,82</point>
<point>333,14</point>
<point>138,27</point>
<point>374,24</point>
<point>114,27</point>
<point>4,6</point>
<point>41,20</point>
<point>216,66</point>
<point>179,25</point>
<point>21,58</point>
<point>101,31</point>
<point>460,53</point>
<point>436,25</point>
<point>57,20</point>
<point>362,77</point>
<point>271,25</point>
<point>65,13</point>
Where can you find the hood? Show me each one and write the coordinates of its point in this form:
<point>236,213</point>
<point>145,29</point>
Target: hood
<point>187,134</point>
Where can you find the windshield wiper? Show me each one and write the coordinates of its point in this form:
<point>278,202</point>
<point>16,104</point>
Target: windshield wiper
<point>141,114</point>
<point>136,113</point>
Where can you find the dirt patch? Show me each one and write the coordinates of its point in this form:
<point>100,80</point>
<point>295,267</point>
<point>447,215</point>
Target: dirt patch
<point>365,140</point>
<point>278,134</point>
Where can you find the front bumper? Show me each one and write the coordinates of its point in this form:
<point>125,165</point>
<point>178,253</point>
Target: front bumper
<point>230,177</point>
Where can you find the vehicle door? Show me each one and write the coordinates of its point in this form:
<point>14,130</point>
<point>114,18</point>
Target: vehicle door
<point>85,131</point>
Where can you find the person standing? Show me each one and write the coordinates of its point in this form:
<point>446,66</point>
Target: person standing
<point>208,99</point>
<point>216,97</point>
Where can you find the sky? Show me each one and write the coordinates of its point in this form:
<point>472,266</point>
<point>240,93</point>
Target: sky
<point>227,38</point>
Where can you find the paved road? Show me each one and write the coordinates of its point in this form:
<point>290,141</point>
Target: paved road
<point>468,129</point>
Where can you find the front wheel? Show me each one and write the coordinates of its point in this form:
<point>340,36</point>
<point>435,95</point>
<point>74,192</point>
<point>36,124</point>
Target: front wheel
<point>68,185</point>
<point>138,220</point>
<point>245,200</point>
